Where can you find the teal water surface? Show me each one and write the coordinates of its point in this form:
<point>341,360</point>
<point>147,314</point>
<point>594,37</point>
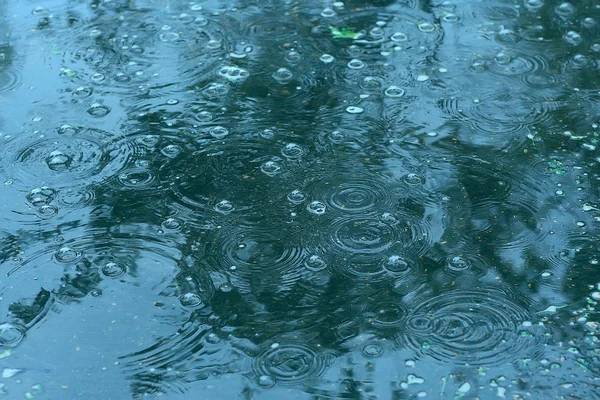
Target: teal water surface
<point>299,199</point>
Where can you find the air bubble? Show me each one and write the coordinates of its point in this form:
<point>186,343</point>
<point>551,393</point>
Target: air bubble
<point>316,207</point>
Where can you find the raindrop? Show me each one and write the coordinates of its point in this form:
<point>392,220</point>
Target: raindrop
<point>10,334</point>
<point>171,150</point>
<point>356,64</point>
<point>233,74</point>
<point>168,36</point>
<point>296,197</point>
<point>218,132</point>
<point>328,13</point>
<point>270,168</point>
<point>327,58</point>
<point>395,264</point>
<point>98,110</point>
<point>292,151</point>
<point>67,255</point>
<point>315,263</point>
<point>224,207</point>
<point>83,92</point>
<point>354,110</point>
<point>58,161</point>
<point>394,91</point>
<point>399,37</point>
<point>113,270</point>
<point>283,75</point>
<point>190,300</point>
<point>171,224</point>
<point>426,27</point>
<point>414,179</point>
<point>316,207</point>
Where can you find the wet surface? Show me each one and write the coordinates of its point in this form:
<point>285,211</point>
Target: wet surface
<point>302,200</point>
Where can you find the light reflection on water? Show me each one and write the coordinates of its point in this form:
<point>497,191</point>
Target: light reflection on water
<point>299,199</point>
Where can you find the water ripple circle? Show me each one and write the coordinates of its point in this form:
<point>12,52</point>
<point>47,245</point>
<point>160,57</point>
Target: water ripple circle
<point>483,327</point>
<point>290,364</point>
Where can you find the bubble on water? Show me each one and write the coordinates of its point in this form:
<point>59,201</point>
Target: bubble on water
<point>67,255</point>
<point>215,90</point>
<point>328,13</point>
<point>204,116</point>
<point>266,381</point>
<point>83,91</point>
<point>388,218</point>
<point>426,27</point>
<point>337,136</point>
<point>399,37</point>
<point>356,64</point>
<point>67,130</point>
<point>224,207</point>
<point>394,91</point>
<point>296,197</point>
<point>168,36</point>
<point>354,110</point>
<point>113,270</point>
<point>218,132</point>
<point>233,74</point>
<point>58,161</point>
<point>327,58</point>
<point>171,224</point>
<point>316,207</point>
<point>293,57</point>
<point>267,133</point>
<point>122,77</point>
<point>283,75</point>
<point>395,264</point>
<point>414,179</point>
<point>573,38</point>
<point>191,300</point>
<point>565,10</point>
<point>457,263</point>
<point>171,150</point>
<point>270,168</point>
<point>315,263</point>
<point>41,196</point>
<point>292,151</point>
<point>97,77</point>
<point>98,110</point>
<point>11,334</point>
<point>450,17</point>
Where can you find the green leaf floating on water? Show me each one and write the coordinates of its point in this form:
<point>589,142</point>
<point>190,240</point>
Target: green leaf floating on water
<point>344,33</point>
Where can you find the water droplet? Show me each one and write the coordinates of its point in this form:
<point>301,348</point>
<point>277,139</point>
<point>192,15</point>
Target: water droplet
<point>266,381</point>
<point>218,132</point>
<point>67,255</point>
<point>458,263</point>
<point>328,13</point>
<point>414,179</point>
<point>190,300</point>
<point>315,263</point>
<point>283,75</point>
<point>270,168</point>
<point>83,92</point>
<point>372,350</point>
<point>327,58</point>
<point>233,74</point>
<point>98,110</point>
<point>316,207</point>
<point>395,264</point>
<point>58,161</point>
<point>292,151</point>
<point>394,91</point>
<point>171,150</point>
<point>168,36</point>
<point>267,134</point>
<point>224,207</point>
<point>171,224</point>
<point>296,197</point>
<point>113,270</point>
<point>426,27</point>
<point>399,37</point>
<point>356,64</point>
<point>354,110</point>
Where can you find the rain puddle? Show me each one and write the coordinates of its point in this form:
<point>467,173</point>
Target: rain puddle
<point>299,199</point>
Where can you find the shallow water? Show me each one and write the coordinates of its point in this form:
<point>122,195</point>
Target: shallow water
<point>299,199</point>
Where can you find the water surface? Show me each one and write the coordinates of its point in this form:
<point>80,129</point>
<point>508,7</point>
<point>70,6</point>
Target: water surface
<point>299,199</point>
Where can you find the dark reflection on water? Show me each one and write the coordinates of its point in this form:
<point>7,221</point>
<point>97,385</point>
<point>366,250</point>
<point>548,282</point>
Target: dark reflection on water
<point>324,200</point>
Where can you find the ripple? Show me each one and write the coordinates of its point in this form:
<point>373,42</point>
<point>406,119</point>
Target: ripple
<point>10,334</point>
<point>88,155</point>
<point>471,327</point>
<point>356,194</point>
<point>290,364</point>
<point>488,114</point>
<point>10,79</point>
<point>256,259</point>
<point>387,315</point>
